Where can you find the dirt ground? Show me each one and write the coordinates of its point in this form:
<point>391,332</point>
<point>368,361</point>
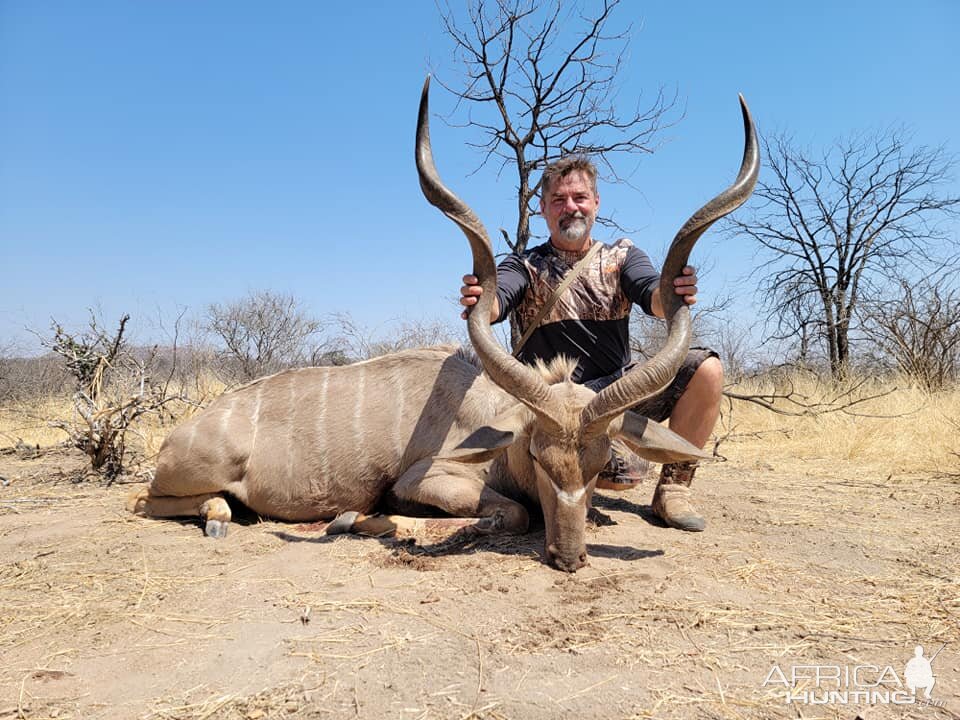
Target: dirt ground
<point>106,615</point>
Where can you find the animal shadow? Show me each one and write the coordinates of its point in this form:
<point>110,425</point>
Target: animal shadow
<point>461,542</point>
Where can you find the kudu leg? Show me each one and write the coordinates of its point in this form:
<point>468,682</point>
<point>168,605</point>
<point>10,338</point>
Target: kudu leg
<point>396,525</point>
<point>456,490</point>
<point>212,507</point>
<point>430,485</point>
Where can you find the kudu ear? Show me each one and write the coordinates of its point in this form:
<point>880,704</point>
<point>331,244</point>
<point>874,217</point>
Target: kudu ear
<point>488,441</point>
<point>652,441</point>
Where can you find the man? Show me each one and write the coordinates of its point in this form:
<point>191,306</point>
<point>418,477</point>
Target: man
<point>590,322</point>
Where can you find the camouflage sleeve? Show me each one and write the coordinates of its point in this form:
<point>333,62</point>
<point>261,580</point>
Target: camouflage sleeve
<point>638,278</point>
<point>513,279</point>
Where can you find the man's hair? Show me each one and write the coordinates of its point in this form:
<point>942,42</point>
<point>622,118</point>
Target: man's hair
<point>563,167</point>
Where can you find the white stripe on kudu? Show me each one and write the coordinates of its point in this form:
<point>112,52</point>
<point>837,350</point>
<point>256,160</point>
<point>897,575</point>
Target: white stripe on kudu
<point>291,425</point>
<point>359,419</point>
<point>225,418</point>
<point>255,421</point>
<point>321,428</point>
<point>397,397</point>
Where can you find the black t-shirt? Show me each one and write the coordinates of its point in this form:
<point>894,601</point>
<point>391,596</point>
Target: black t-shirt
<point>590,321</point>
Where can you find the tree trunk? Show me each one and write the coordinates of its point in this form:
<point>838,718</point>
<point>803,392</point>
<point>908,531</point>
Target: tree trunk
<point>843,352</point>
<point>521,240</point>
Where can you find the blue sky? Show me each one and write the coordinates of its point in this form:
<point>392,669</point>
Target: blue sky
<point>162,155</point>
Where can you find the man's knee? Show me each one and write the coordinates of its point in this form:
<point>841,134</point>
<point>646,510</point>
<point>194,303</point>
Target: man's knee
<point>712,371</point>
<point>707,381</point>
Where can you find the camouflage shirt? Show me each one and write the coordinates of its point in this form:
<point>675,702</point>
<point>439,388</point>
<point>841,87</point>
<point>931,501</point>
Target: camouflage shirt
<point>590,321</point>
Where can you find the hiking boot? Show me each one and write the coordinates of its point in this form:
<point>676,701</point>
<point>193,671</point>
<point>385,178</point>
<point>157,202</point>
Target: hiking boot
<point>672,498</point>
<point>624,471</point>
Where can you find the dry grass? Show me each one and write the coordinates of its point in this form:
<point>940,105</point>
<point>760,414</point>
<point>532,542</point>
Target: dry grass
<point>902,431</point>
<point>29,421</point>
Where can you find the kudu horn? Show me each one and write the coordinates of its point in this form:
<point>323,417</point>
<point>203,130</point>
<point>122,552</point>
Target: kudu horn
<point>519,380</point>
<point>656,373</point>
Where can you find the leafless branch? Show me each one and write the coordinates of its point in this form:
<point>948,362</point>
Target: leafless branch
<point>113,387</point>
<point>782,396</point>
<point>919,331</point>
<point>840,228</point>
<point>262,333</point>
<point>540,80</point>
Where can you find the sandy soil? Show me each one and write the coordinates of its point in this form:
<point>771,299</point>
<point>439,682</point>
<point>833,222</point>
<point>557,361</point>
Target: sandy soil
<point>106,615</point>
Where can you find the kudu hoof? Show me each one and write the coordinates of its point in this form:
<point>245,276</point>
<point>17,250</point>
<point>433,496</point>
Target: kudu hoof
<point>342,523</point>
<point>216,529</point>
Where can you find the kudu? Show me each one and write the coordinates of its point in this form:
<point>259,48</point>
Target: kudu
<point>426,429</point>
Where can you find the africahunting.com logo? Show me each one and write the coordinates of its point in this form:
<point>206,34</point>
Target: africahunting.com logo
<point>858,684</point>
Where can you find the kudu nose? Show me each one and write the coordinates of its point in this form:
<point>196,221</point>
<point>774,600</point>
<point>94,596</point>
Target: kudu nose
<point>566,562</point>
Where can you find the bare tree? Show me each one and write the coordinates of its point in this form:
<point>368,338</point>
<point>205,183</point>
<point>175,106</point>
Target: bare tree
<point>920,331</point>
<point>540,77</point>
<point>840,228</point>
<point>262,333</point>
<point>26,379</point>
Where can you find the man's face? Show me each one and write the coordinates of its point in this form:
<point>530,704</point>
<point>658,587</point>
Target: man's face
<point>570,207</point>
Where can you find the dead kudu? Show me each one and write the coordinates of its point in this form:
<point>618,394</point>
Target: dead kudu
<point>426,429</point>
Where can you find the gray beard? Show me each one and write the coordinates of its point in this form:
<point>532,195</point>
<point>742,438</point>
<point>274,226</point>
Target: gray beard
<point>575,230</point>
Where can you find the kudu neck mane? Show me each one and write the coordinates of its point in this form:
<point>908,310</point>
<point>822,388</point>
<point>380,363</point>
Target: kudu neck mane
<point>559,369</point>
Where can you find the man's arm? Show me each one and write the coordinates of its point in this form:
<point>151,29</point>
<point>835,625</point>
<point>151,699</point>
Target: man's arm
<point>641,283</point>
<point>639,280</point>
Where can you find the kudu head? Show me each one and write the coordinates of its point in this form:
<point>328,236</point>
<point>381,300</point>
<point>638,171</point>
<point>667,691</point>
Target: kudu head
<point>561,432</point>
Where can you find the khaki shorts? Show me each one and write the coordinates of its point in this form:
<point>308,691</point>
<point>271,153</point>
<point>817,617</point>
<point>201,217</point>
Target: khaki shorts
<point>661,405</point>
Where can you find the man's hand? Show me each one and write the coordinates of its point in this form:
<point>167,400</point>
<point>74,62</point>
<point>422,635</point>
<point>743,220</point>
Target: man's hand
<point>469,295</point>
<point>685,285</point>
